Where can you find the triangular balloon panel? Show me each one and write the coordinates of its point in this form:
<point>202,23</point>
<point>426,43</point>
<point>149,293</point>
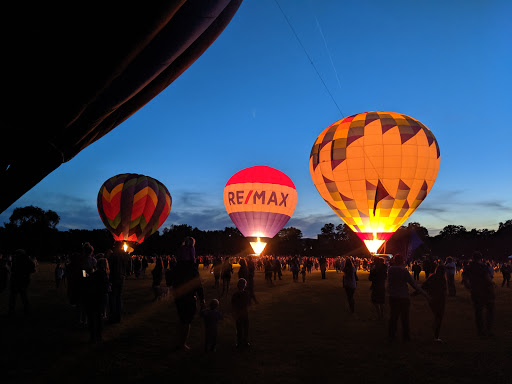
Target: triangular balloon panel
<point>374,169</point>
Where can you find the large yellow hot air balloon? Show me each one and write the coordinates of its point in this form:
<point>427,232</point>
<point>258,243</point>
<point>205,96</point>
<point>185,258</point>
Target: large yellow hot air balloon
<point>374,169</point>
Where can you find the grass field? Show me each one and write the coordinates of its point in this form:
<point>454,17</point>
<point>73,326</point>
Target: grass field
<point>299,333</point>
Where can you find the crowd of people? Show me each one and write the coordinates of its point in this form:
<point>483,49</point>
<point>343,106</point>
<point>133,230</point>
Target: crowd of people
<point>94,284</point>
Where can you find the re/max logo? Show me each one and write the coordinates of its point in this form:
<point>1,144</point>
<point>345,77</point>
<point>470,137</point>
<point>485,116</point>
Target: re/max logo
<point>238,198</point>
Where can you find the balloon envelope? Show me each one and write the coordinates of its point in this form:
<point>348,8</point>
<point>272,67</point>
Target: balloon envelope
<point>260,200</point>
<point>133,206</point>
<point>374,169</point>
<point>102,63</point>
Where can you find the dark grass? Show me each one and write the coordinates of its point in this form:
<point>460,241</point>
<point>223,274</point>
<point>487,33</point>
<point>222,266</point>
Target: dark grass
<point>299,333</point>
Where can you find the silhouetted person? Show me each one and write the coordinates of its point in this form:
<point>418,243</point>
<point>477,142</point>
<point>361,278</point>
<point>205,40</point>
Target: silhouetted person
<point>137,266</point>
<point>59,275</point>
<point>227,271</point>
<point>378,276</point>
<point>350,283</point>
<point>435,286</point>
<point>295,268</point>
<point>251,270</point>
<point>217,269</point>
<point>416,270</point>
<point>478,280</point>
<point>323,266</point>
<point>243,272</point>
<point>94,299</point>
<point>158,274</point>
<point>186,285</point>
<point>428,266</point>
<point>240,302</point>
<point>506,271</point>
<point>145,265</point>
<point>4,273</point>
<point>21,269</point>
<point>450,267</point>
<point>277,268</point>
<point>119,262</point>
<point>399,301</point>
<point>268,271</point>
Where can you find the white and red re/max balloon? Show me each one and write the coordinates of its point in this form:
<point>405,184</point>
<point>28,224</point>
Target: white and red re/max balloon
<point>260,200</point>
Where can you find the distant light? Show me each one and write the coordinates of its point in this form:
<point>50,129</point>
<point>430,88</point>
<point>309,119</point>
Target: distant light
<point>125,247</point>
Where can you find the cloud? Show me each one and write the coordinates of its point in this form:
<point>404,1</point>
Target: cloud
<point>205,219</point>
<point>499,205</point>
<point>189,199</point>
<point>311,225</point>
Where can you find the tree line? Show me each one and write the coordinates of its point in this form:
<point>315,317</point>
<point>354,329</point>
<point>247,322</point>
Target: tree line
<point>35,230</point>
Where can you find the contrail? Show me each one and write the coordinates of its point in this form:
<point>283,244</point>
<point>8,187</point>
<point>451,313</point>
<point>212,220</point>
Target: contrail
<point>327,49</point>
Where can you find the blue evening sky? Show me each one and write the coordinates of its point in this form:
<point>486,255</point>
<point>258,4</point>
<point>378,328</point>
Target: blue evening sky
<point>255,98</point>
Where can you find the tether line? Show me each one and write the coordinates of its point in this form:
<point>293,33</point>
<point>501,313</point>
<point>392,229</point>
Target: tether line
<point>309,58</point>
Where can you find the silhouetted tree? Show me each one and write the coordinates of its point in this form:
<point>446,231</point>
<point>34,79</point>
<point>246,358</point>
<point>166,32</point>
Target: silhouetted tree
<point>288,241</point>
<point>33,229</point>
<point>328,231</point>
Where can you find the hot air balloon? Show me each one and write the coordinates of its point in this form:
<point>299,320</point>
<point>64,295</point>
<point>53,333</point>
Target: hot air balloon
<point>102,63</point>
<point>260,200</point>
<point>133,206</point>
<point>374,169</point>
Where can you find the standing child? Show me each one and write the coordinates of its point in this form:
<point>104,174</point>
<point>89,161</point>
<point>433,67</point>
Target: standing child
<point>240,302</point>
<point>211,320</point>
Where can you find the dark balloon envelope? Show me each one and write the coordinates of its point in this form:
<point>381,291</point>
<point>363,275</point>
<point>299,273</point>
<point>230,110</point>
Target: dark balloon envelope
<point>73,71</point>
<point>133,206</point>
